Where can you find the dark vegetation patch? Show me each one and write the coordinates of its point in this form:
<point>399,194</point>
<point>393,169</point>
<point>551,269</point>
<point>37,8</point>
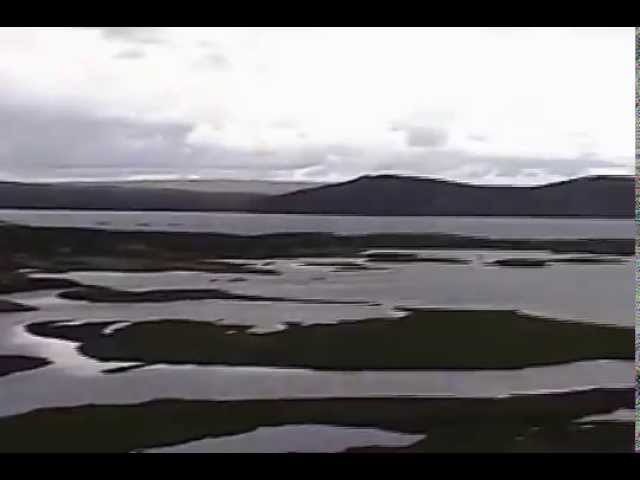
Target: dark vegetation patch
<point>402,257</point>
<point>342,266</point>
<point>357,268</point>
<point>64,249</point>
<point>14,282</point>
<point>519,262</point>
<point>97,294</point>
<point>422,340</point>
<point>7,306</point>
<point>336,263</point>
<point>590,260</point>
<point>19,363</point>
<point>450,424</point>
<point>153,261</point>
<point>543,262</point>
<point>517,438</point>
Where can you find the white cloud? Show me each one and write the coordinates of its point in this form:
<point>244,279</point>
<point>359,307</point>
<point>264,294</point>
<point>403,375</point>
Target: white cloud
<point>351,99</point>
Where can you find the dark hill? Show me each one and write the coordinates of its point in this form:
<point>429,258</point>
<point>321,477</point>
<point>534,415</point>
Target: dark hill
<point>101,197</point>
<point>596,196</point>
<point>384,195</point>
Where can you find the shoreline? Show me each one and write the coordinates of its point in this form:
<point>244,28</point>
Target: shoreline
<point>18,243</point>
<point>313,214</point>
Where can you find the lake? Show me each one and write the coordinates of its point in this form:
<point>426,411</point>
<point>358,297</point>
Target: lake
<point>254,224</point>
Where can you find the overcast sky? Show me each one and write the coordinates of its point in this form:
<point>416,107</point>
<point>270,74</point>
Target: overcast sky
<point>485,105</point>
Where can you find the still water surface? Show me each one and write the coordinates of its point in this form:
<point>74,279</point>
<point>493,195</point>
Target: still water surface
<point>253,224</point>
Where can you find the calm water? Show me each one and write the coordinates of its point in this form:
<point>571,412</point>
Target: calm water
<point>295,438</point>
<point>252,224</point>
<point>593,293</point>
<point>562,291</point>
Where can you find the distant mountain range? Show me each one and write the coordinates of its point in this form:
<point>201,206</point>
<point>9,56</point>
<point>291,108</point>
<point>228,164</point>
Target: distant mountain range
<point>380,195</point>
<point>595,196</point>
<point>270,187</point>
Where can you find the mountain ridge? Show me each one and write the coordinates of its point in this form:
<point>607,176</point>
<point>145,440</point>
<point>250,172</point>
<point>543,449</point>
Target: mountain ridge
<point>397,195</point>
<point>598,196</point>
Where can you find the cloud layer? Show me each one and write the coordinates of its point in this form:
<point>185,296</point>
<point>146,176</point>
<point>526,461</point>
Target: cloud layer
<point>479,105</point>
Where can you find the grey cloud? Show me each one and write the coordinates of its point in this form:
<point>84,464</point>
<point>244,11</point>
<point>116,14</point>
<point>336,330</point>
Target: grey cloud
<point>478,138</point>
<point>41,142</point>
<point>422,137</point>
<point>449,163</point>
<point>130,54</point>
<point>46,143</point>
<point>140,35</point>
<point>341,150</point>
<point>52,143</point>
<point>215,61</point>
